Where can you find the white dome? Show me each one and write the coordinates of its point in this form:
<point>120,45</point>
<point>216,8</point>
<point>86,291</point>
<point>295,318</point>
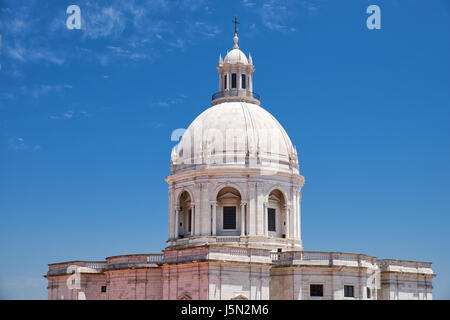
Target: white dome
<point>234,134</point>
<point>235,56</point>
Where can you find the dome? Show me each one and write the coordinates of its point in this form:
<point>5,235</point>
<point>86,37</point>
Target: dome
<point>234,134</point>
<point>235,56</point>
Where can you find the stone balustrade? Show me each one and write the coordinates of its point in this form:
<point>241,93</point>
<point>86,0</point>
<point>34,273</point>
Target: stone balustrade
<point>74,266</point>
<point>240,254</point>
<point>405,266</point>
<point>323,258</point>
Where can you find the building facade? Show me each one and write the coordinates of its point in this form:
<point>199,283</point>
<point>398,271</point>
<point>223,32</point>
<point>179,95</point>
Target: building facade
<point>234,227</point>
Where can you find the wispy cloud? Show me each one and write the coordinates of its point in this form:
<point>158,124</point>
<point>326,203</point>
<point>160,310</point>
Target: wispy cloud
<point>21,37</point>
<point>18,144</point>
<point>100,21</point>
<point>312,7</point>
<point>70,115</point>
<point>19,52</point>
<point>130,30</point>
<point>206,30</point>
<point>280,15</point>
<point>274,14</point>
<point>180,98</point>
<point>35,91</point>
<point>248,3</point>
<point>127,53</point>
<point>44,89</point>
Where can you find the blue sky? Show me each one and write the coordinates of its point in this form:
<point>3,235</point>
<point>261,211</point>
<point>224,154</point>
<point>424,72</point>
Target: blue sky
<point>86,117</point>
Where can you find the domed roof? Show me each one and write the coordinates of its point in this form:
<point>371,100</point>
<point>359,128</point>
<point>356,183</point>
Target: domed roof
<point>235,134</point>
<point>235,56</point>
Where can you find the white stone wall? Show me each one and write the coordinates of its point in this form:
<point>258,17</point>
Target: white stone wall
<point>231,280</point>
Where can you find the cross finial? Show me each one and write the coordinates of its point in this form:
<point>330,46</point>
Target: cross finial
<point>235,24</point>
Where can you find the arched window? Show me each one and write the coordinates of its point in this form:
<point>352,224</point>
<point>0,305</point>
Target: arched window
<point>243,81</point>
<point>184,215</point>
<point>276,214</point>
<point>228,215</point>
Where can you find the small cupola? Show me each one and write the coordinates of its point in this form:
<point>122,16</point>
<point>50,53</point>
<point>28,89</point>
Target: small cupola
<point>235,76</point>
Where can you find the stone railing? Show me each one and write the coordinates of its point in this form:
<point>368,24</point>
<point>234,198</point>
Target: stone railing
<point>240,254</point>
<point>221,239</point>
<point>133,261</point>
<point>322,258</point>
<point>193,254</point>
<point>217,252</point>
<point>235,93</point>
<point>76,266</point>
<point>118,262</point>
<point>154,258</point>
<point>406,266</point>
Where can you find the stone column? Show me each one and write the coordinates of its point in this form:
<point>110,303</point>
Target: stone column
<point>176,211</point>
<point>192,219</point>
<point>294,214</point>
<point>287,213</point>
<point>243,218</point>
<point>265,217</point>
<point>252,209</point>
<point>214,218</point>
<point>299,216</point>
<point>170,231</point>
<point>260,219</point>
<point>204,211</point>
<point>238,80</point>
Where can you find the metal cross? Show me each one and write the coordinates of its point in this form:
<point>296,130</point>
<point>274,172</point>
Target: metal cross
<point>235,24</point>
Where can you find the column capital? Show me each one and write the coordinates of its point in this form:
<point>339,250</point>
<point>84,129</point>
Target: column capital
<point>243,203</point>
<point>213,203</point>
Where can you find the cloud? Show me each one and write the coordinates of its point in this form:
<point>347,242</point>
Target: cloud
<point>99,21</point>
<point>127,53</point>
<point>206,30</point>
<point>35,91</point>
<point>19,52</point>
<point>110,30</point>
<point>248,3</point>
<point>312,7</point>
<point>21,37</point>
<point>180,98</point>
<point>7,96</point>
<point>280,15</point>
<point>273,15</point>
<point>18,144</point>
<point>43,89</point>
<point>69,115</point>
